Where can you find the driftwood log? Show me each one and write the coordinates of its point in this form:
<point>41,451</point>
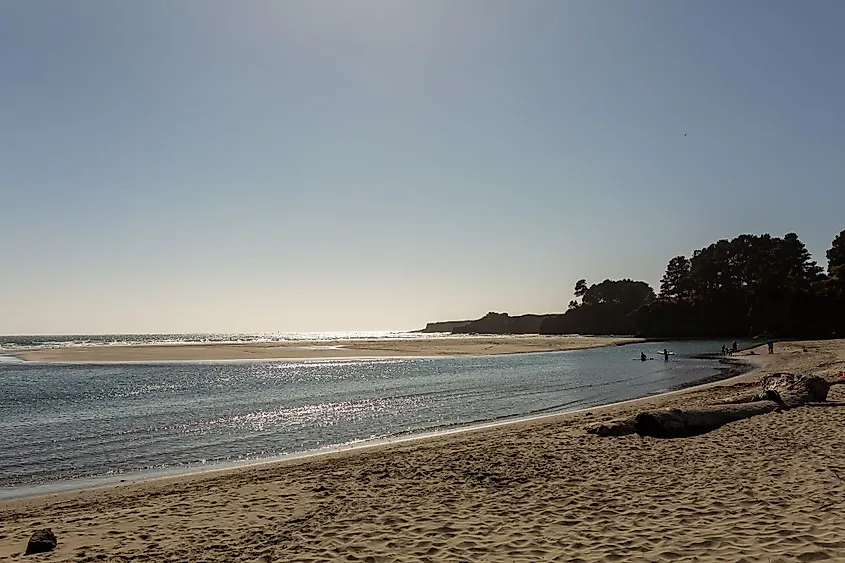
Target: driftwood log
<point>678,423</point>
<point>621,427</point>
<point>793,391</point>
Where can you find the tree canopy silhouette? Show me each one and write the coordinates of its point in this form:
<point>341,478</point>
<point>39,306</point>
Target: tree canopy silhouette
<point>750,285</point>
<point>605,308</point>
<point>836,256</point>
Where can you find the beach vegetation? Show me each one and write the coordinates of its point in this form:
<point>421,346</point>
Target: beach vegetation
<point>749,285</point>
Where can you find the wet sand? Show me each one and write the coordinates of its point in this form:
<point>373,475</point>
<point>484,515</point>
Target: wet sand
<point>770,488</point>
<point>356,348</point>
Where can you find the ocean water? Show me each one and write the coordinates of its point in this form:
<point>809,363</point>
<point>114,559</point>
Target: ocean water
<point>10,343</point>
<point>69,425</point>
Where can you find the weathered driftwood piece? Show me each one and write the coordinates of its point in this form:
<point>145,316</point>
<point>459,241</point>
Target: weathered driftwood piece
<point>41,541</point>
<point>621,427</point>
<point>795,391</point>
<point>676,423</point>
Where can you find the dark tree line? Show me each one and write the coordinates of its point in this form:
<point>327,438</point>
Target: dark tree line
<point>751,285</point>
<point>604,308</point>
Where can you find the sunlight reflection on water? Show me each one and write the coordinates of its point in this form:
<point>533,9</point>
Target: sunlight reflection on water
<point>61,421</point>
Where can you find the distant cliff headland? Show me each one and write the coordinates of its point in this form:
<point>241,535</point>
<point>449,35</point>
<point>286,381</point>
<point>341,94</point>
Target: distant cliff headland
<point>748,286</point>
<point>491,323</point>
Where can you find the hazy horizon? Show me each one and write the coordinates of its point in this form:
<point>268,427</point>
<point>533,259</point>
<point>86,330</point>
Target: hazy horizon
<point>201,167</point>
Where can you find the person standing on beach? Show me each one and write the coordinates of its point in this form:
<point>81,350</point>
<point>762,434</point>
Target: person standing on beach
<point>665,355</point>
<point>734,348</point>
<point>771,344</point>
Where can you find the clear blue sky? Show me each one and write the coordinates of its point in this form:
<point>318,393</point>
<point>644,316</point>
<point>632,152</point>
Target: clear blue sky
<point>278,166</point>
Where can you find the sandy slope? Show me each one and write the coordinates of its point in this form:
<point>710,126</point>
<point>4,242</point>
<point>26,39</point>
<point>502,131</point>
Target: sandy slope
<point>449,346</point>
<point>771,488</point>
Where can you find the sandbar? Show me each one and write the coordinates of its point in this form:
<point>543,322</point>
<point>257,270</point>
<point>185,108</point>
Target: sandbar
<point>352,348</point>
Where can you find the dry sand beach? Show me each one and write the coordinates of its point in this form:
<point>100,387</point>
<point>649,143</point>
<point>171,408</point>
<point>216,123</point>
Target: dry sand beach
<point>354,348</point>
<point>770,488</point>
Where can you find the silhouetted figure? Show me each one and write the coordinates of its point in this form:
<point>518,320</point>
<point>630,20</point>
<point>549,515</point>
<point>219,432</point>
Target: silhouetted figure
<point>724,350</point>
<point>734,348</point>
<point>643,357</point>
<point>771,345</point>
<point>665,355</point>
